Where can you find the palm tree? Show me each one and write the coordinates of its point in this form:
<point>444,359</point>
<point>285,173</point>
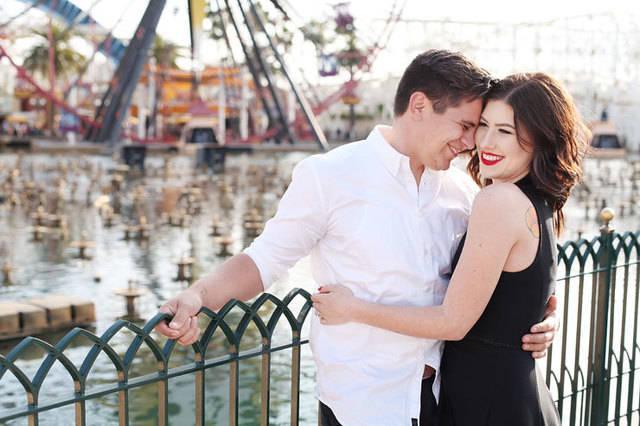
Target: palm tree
<point>165,54</point>
<point>66,59</point>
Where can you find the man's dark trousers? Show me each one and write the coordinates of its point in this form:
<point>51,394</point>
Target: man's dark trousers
<point>428,408</point>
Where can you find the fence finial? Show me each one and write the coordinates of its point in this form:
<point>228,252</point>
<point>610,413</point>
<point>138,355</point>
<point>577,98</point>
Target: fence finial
<point>606,215</point>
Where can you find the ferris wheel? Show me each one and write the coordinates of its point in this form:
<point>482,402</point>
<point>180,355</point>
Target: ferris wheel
<point>238,20</point>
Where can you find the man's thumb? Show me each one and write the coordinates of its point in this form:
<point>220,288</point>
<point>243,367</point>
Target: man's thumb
<point>179,318</point>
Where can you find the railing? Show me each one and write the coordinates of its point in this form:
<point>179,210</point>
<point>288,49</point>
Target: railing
<point>218,324</point>
<point>592,369</point>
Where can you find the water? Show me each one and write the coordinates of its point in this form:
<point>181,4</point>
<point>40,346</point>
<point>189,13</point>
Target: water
<point>51,267</point>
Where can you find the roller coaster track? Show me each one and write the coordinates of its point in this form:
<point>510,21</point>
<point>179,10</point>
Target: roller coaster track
<point>114,48</point>
<point>73,15</point>
<point>24,75</point>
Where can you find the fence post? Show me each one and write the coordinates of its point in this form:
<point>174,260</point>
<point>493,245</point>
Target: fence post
<point>600,402</point>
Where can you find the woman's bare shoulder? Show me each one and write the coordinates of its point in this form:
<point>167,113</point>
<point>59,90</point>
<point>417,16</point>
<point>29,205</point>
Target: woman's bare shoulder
<point>500,202</point>
<point>505,192</point>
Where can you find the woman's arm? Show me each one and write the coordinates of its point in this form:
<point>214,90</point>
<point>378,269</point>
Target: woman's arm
<point>494,228</point>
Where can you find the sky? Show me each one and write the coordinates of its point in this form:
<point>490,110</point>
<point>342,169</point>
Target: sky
<point>122,16</point>
<point>174,22</point>
<point>484,47</point>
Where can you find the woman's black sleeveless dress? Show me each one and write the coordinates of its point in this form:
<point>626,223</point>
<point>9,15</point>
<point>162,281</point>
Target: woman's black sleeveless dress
<point>487,379</point>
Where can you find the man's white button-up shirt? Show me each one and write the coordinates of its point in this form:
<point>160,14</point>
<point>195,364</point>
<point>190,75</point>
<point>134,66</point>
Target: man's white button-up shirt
<point>366,223</point>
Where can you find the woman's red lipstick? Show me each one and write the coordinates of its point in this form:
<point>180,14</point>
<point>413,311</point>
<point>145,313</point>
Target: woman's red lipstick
<point>490,159</point>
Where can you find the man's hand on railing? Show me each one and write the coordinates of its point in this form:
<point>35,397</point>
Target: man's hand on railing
<point>184,325</point>
<point>543,333</point>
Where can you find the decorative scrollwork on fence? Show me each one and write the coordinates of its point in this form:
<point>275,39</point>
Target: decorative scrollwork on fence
<point>218,324</point>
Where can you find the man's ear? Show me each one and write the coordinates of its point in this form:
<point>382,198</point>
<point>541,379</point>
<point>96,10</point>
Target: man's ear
<point>419,105</point>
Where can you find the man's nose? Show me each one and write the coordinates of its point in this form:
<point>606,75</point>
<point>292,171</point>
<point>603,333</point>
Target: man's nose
<point>468,140</point>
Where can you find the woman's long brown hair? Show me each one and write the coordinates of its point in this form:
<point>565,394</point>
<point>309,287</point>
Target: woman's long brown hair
<point>546,121</point>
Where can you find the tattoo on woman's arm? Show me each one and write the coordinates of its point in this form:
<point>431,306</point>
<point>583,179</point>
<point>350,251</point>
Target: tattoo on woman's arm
<point>531,219</point>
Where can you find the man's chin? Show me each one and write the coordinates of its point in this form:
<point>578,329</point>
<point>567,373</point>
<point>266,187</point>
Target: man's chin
<point>444,164</point>
<point>439,163</point>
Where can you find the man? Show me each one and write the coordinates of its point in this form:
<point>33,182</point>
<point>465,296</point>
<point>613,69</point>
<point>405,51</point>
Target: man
<point>382,216</point>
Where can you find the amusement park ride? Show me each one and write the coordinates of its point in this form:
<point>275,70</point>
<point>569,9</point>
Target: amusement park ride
<point>106,123</point>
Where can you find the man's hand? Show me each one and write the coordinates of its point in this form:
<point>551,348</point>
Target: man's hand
<point>184,325</point>
<point>237,278</point>
<point>543,333</point>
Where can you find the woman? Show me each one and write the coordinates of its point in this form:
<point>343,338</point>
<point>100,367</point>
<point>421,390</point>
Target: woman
<point>529,145</point>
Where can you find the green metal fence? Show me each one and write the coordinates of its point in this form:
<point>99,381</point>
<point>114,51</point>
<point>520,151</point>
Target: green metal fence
<point>218,324</point>
<point>591,369</point>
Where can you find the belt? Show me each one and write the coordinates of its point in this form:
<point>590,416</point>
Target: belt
<point>428,372</point>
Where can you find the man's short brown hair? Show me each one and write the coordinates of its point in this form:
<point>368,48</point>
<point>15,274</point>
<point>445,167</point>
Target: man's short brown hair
<point>445,77</point>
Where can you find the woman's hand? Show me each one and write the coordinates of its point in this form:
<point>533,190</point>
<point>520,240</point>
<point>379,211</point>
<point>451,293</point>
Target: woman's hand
<point>334,304</point>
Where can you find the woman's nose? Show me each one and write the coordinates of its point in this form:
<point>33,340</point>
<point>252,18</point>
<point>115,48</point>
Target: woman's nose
<point>483,139</point>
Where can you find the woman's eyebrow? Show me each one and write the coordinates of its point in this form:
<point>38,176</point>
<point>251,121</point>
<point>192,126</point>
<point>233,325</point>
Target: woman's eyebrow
<point>482,118</point>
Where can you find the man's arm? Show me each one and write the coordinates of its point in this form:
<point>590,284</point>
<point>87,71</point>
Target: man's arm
<point>237,278</point>
<point>298,225</point>
<point>543,333</point>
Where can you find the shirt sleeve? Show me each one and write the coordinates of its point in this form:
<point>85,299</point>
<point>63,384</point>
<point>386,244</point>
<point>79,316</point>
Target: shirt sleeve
<point>300,221</point>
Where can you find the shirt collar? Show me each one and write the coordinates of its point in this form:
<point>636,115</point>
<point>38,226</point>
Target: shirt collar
<point>390,157</point>
<point>395,162</point>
